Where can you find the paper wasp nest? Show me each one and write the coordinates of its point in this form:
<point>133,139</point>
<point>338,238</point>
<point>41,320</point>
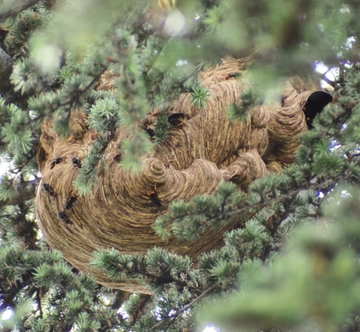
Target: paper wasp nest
<point>203,150</point>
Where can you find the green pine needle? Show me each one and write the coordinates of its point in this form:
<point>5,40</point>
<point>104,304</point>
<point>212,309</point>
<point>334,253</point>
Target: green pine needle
<point>200,96</point>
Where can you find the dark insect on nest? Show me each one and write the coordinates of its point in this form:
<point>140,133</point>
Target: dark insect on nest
<point>153,195</point>
<point>55,162</point>
<point>70,201</point>
<point>233,75</point>
<point>63,217</point>
<point>49,189</point>
<point>76,162</point>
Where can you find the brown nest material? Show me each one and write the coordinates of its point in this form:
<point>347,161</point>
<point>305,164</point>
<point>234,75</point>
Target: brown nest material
<point>203,150</point>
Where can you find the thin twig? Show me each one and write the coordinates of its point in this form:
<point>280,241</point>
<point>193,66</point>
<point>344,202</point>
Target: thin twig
<point>188,306</point>
<point>77,95</point>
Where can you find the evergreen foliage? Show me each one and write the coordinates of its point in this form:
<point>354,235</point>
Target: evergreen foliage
<point>57,52</point>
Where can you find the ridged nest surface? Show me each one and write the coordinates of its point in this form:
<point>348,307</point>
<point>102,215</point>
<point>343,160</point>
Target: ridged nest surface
<point>204,149</point>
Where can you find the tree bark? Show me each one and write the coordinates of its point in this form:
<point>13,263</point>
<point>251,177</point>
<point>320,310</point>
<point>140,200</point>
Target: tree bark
<point>5,71</point>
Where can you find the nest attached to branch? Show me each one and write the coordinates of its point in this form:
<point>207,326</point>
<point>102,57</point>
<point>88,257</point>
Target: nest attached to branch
<point>203,150</point>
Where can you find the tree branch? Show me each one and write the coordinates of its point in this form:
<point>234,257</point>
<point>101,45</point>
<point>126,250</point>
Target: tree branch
<point>22,5</point>
<point>38,299</point>
<point>183,309</point>
<point>26,191</point>
<point>5,70</point>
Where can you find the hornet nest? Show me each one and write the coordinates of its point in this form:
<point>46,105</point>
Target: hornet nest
<point>206,150</point>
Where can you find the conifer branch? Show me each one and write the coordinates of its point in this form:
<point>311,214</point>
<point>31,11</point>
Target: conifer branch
<point>270,199</point>
<point>140,308</point>
<point>23,5</point>
<point>289,195</point>
<point>120,297</point>
<point>9,294</point>
<point>164,279</point>
<point>26,191</point>
<point>174,316</point>
<point>76,96</point>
